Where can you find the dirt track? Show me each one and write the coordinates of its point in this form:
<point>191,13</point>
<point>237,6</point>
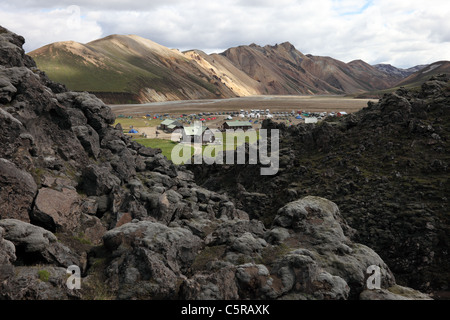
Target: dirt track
<point>274,103</point>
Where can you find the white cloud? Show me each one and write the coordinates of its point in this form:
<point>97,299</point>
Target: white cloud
<point>403,33</point>
<point>43,27</point>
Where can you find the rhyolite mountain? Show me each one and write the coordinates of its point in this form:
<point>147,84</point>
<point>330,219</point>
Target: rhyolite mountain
<point>129,68</point>
<point>75,190</point>
<point>282,69</point>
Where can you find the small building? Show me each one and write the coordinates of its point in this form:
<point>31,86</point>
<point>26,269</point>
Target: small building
<point>170,125</point>
<point>311,120</point>
<point>235,125</point>
<point>189,134</point>
<point>174,126</point>
<point>163,125</point>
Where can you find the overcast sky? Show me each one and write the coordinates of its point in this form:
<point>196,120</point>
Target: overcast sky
<point>403,33</point>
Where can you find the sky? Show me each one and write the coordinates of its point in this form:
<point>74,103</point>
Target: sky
<point>403,33</point>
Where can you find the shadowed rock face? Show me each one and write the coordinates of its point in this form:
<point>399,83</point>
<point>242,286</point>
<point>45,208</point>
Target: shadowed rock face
<point>19,188</point>
<point>76,191</point>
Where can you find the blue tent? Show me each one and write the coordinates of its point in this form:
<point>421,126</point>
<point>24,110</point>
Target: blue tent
<point>133,131</point>
<point>298,117</point>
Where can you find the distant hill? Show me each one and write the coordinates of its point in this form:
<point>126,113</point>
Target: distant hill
<point>417,76</point>
<point>131,69</point>
<point>422,75</point>
<point>398,72</point>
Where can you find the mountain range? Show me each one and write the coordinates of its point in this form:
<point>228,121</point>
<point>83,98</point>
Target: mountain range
<point>132,69</point>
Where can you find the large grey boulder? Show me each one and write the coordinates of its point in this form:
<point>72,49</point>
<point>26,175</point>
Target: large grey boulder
<point>57,210</point>
<point>7,257</point>
<point>169,204</point>
<point>152,258</point>
<point>64,211</point>
<point>316,218</point>
<point>34,244</point>
<point>98,180</point>
<point>301,275</point>
<point>89,139</point>
<point>7,250</point>
<point>316,224</point>
<point>17,191</point>
<point>214,286</point>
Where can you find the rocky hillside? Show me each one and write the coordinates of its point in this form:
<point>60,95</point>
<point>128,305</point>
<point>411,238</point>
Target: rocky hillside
<point>75,191</point>
<point>386,167</point>
<point>121,69</point>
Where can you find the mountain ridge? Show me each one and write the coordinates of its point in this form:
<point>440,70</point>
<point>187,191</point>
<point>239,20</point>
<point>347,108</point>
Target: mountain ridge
<point>129,68</point>
<point>402,73</point>
<point>419,76</point>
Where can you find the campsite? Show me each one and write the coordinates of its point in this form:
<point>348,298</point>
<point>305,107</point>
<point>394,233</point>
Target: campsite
<point>156,124</point>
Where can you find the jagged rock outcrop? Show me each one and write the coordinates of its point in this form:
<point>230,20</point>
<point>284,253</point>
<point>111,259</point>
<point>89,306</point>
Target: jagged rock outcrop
<point>308,259</point>
<point>77,191</point>
<point>11,51</point>
<point>386,167</point>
